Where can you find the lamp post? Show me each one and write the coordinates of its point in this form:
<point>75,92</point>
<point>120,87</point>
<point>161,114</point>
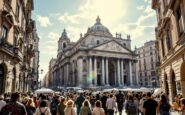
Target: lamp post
<point>153,84</point>
<point>41,71</point>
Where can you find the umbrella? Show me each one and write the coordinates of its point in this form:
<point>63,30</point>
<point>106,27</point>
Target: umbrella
<point>44,90</point>
<point>144,89</point>
<point>157,91</point>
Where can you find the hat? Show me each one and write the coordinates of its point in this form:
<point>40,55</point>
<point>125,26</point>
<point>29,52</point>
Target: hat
<point>1,97</point>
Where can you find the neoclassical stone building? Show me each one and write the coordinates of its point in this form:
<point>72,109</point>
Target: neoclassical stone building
<point>170,35</point>
<point>96,59</point>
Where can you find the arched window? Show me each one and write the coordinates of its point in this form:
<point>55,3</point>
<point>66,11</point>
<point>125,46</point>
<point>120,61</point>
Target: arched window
<point>64,45</point>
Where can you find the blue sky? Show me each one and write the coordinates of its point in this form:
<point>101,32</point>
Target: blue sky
<point>128,17</point>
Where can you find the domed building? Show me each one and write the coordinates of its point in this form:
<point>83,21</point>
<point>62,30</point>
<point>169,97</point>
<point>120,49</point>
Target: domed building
<point>96,59</point>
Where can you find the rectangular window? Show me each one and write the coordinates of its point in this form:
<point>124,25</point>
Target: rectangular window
<point>15,40</point>
<point>180,21</point>
<point>17,10</point>
<point>162,46</point>
<point>4,33</point>
<point>168,39</point>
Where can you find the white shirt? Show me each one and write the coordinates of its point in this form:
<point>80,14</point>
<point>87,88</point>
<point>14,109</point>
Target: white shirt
<point>111,104</point>
<point>2,104</point>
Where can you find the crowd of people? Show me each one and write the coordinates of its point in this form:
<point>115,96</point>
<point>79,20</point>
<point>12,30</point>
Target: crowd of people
<point>86,103</point>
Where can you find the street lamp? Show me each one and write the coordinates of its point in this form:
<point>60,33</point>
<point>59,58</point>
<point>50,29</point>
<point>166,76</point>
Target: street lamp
<point>41,71</point>
<point>153,84</point>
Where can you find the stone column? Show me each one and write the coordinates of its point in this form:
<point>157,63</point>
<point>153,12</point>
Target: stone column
<point>103,72</point>
<point>73,74</point>
<point>67,74</point>
<point>136,72</point>
<point>80,73</point>
<point>122,73</point>
<point>107,71</point>
<point>130,72</point>
<point>95,71</point>
<point>90,71</point>
<point>118,72</point>
<point>60,75</point>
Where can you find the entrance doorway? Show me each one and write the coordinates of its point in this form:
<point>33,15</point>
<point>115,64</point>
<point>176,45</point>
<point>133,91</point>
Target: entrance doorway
<point>174,87</point>
<point>112,71</point>
<point>2,78</point>
<point>98,80</point>
<point>182,84</point>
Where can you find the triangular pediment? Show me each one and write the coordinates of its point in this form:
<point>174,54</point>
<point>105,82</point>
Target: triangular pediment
<point>112,46</point>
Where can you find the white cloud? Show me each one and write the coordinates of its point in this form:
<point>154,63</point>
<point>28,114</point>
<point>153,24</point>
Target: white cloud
<point>44,21</point>
<point>148,9</point>
<point>140,7</point>
<point>53,35</point>
<point>86,14</point>
<point>148,1</point>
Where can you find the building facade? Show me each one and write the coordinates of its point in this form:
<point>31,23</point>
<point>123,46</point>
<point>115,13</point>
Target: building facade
<point>96,59</point>
<point>16,50</point>
<point>170,35</point>
<point>146,66</point>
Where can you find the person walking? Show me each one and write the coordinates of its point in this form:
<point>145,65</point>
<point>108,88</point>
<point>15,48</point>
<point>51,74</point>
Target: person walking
<point>79,102</point>
<point>42,109</point>
<point>61,106</point>
<point>150,105</point>
<point>69,110</point>
<point>98,110</point>
<point>104,100</point>
<point>182,108</point>
<point>131,106</point>
<point>164,106</point>
<point>2,102</point>
<point>14,107</point>
<point>141,102</point>
<point>85,109</point>
<point>120,100</point>
<point>111,105</point>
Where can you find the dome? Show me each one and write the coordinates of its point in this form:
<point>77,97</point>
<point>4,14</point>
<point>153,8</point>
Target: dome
<point>99,29</point>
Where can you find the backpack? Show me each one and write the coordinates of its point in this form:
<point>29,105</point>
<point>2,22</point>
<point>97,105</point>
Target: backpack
<point>11,109</point>
<point>42,113</point>
<point>131,107</point>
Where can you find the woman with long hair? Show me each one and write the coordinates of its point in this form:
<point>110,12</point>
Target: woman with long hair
<point>42,109</point>
<point>98,110</point>
<point>69,110</point>
<point>85,109</point>
<point>182,108</point>
<point>164,106</point>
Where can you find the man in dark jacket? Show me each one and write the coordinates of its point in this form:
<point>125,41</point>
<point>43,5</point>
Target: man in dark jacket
<point>79,102</point>
<point>150,105</point>
<point>14,107</point>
